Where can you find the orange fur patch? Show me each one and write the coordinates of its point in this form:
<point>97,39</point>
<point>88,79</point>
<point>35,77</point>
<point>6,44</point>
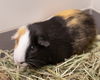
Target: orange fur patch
<point>18,34</point>
<point>68,13</point>
<point>73,22</point>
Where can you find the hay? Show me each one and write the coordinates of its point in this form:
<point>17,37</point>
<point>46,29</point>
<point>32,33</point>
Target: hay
<point>78,67</point>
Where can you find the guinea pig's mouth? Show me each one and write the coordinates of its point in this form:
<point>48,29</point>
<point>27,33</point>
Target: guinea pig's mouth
<point>34,63</point>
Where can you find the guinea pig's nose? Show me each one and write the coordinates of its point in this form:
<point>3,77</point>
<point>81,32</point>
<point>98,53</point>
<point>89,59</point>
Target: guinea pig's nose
<point>23,64</point>
<point>19,63</point>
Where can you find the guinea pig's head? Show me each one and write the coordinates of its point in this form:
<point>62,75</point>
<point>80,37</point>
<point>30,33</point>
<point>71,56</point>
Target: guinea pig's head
<point>29,41</point>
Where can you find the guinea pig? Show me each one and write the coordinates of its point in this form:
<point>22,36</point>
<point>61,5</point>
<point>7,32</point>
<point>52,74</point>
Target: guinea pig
<point>52,41</point>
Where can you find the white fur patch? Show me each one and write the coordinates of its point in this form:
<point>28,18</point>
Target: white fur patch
<point>20,50</point>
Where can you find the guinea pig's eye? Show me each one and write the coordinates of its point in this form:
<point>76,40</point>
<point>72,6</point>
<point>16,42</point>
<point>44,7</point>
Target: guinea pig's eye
<point>32,47</point>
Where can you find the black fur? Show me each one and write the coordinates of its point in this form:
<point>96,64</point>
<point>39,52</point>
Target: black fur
<point>56,34</point>
<point>52,41</point>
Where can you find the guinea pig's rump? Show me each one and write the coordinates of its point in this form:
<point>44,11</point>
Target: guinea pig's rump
<point>82,30</point>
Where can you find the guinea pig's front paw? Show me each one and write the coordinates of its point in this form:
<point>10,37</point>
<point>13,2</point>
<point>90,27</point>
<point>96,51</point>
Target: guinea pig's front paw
<point>22,67</point>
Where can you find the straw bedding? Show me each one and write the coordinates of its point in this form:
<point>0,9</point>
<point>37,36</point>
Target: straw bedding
<point>79,67</point>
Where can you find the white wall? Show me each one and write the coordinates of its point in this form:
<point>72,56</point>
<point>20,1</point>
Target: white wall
<point>14,13</point>
<point>95,4</point>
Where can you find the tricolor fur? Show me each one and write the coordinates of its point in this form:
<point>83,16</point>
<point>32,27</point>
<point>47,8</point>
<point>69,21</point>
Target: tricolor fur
<point>51,41</point>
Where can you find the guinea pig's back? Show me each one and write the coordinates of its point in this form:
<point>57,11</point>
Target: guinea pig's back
<point>71,34</point>
<point>82,30</point>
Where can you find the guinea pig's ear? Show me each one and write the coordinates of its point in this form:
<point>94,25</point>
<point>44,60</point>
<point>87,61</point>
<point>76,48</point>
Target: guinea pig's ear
<point>43,42</point>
